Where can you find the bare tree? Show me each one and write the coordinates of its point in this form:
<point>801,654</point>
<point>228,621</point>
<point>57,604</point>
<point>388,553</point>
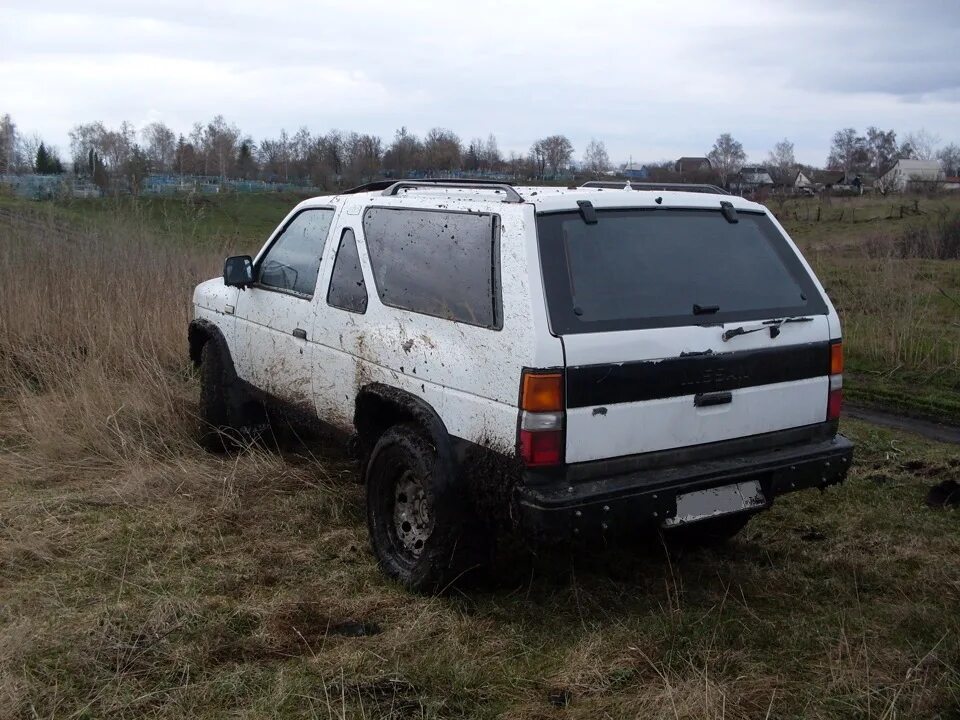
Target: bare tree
<point>949,156</point>
<point>726,156</point>
<point>219,143</point>
<point>275,156</point>
<point>364,155</point>
<point>404,154</point>
<point>491,154</point>
<point>160,146</point>
<point>442,150</point>
<point>595,158</point>
<point>881,148</point>
<point>782,162</point>
<point>8,145</point>
<point>84,139</point>
<point>553,152</point>
<point>922,145</point>
<point>538,158</point>
<point>847,151</point>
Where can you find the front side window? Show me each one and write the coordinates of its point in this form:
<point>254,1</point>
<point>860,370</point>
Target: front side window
<point>436,263</point>
<point>293,260</point>
<point>347,289</point>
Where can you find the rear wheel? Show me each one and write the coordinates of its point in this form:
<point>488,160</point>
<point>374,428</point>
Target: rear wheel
<point>706,533</point>
<point>418,520</point>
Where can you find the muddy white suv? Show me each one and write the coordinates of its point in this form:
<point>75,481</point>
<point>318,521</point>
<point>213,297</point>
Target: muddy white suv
<point>574,362</point>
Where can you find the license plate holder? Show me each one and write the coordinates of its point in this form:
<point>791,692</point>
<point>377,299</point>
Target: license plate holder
<point>715,502</point>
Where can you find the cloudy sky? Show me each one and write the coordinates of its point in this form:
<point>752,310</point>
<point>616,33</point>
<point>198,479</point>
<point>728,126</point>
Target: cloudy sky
<point>652,80</point>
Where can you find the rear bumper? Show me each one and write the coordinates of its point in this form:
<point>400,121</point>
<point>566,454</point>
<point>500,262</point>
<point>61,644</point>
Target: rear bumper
<point>615,503</point>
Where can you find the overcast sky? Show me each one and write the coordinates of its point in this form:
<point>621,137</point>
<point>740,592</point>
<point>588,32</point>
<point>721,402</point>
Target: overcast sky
<point>652,80</point>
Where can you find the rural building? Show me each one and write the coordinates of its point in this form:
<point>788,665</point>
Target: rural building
<point>636,172</point>
<point>753,177</point>
<point>692,164</point>
<point>910,171</point>
<point>803,182</point>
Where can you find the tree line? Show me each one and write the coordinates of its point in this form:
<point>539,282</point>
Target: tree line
<point>335,159</point>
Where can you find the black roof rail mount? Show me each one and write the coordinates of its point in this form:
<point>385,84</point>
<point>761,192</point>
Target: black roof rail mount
<point>587,212</point>
<point>512,196</point>
<point>729,211</point>
<point>669,186</point>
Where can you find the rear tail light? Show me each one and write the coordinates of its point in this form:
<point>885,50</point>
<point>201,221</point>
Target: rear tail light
<point>835,393</point>
<point>540,437</point>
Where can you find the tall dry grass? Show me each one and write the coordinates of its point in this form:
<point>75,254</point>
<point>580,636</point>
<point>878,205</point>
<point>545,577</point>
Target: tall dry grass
<point>99,456</point>
<point>93,340</point>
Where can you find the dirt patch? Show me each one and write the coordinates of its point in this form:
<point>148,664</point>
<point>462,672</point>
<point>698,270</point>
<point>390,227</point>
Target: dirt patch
<point>945,494</point>
<point>298,630</point>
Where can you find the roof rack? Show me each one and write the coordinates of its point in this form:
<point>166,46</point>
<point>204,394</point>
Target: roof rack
<point>377,185</point>
<point>677,187</point>
<point>512,195</point>
<point>368,187</point>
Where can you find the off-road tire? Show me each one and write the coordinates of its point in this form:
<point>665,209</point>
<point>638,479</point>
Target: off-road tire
<point>707,533</point>
<point>214,400</point>
<point>455,549</point>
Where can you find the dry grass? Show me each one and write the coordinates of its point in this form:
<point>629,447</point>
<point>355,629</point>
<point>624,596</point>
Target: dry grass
<point>896,285</point>
<point>142,577</point>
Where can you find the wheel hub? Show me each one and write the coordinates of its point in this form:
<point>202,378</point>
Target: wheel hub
<point>411,514</point>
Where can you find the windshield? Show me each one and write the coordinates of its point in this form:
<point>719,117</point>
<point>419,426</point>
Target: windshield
<point>661,268</point>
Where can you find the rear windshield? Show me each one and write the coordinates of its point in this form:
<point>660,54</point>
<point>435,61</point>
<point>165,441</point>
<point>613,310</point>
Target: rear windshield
<point>662,268</point>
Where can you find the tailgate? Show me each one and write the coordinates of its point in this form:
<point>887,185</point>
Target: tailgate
<point>674,389</point>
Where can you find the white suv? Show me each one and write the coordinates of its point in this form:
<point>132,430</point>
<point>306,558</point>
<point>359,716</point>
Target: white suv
<point>571,361</point>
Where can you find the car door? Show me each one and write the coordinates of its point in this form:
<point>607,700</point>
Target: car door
<point>276,314</point>
<point>341,329</point>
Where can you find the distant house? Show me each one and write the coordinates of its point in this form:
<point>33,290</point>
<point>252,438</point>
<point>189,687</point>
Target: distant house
<point>803,183</point>
<point>636,172</point>
<point>692,164</point>
<point>839,181</point>
<point>910,171</point>
<point>753,177</point>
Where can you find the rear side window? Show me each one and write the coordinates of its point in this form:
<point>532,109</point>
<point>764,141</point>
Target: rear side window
<point>650,268</point>
<point>347,290</point>
<point>436,263</point>
<point>293,260</point>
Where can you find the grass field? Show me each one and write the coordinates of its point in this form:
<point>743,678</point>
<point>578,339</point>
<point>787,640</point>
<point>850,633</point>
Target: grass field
<point>900,310</point>
<point>143,577</point>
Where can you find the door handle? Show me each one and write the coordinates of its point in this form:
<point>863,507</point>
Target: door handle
<point>714,398</point>
<point>299,333</point>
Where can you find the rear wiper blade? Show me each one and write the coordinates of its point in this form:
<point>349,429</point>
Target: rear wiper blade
<point>772,325</point>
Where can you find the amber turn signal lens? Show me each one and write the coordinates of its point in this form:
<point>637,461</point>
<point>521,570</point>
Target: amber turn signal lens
<point>542,392</point>
<point>836,358</point>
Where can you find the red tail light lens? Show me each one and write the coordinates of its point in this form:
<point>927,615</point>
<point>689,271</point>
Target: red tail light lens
<point>834,401</point>
<point>541,447</point>
<point>835,394</point>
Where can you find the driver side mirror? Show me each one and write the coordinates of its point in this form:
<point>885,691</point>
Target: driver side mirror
<point>238,271</point>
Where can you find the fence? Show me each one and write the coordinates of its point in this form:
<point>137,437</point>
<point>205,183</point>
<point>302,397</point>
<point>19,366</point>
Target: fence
<point>45,187</point>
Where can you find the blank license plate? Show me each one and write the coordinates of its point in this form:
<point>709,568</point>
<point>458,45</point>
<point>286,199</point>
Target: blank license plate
<point>704,504</point>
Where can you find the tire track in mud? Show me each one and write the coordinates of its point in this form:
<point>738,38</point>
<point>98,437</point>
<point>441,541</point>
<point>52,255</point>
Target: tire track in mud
<point>925,428</point>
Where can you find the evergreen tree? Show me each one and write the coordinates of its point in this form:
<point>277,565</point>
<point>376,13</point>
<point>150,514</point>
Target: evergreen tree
<point>42,163</point>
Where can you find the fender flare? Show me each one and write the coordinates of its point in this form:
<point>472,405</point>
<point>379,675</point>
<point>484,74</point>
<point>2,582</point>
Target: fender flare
<point>409,406</point>
<point>199,333</point>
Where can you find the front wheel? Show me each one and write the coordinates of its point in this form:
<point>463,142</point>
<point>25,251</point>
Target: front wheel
<point>418,519</point>
<point>214,406</point>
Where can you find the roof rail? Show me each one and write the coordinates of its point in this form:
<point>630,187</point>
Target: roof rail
<point>384,183</point>
<point>368,187</point>
<point>677,187</point>
<point>512,195</point>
